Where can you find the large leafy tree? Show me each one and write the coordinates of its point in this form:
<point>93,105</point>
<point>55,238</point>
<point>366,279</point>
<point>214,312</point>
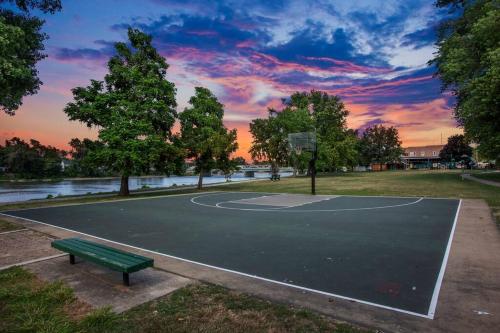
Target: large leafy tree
<point>21,47</point>
<point>270,136</point>
<point>336,144</point>
<point>380,144</point>
<point>305,111</point>
<point>203,134</point>
<point>468,63</point>
<point>133,111</point>
<point>456,148</point>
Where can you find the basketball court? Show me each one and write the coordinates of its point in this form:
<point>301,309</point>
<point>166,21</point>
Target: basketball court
<point>388,252</point>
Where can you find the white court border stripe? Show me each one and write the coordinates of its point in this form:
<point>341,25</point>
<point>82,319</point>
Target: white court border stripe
<point>33,261</point>
<point>232,271</point>
<point>12,231</point>
<point>437,287</point>
<point>283,209</point>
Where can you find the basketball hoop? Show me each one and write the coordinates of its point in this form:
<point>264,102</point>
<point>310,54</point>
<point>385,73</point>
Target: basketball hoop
<point>302,141</point>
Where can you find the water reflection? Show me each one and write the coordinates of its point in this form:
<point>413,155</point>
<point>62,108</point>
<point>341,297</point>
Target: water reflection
<point>17,191</point>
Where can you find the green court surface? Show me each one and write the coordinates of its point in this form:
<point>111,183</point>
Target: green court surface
<point>389,252</point>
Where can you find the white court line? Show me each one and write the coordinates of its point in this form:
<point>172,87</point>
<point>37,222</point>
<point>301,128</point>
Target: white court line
<point>33,261</point>
<point>241,202</point>
<point>12,231</point>
<point>351,195</point>
<point>219,205</point>
<point>437,287</point>
<point>311,202</point>
<point>233,271</point>
<point>283,210</point>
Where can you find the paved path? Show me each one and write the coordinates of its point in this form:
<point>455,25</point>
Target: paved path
<point>95,285</point>
<point>479,180</point>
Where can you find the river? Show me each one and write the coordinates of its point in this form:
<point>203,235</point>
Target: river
<point>23,191</point>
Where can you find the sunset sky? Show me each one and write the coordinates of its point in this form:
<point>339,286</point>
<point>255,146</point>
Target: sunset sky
<point>251,54</point>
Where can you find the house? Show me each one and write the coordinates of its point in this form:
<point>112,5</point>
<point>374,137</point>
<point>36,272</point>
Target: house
<point>422,157</point>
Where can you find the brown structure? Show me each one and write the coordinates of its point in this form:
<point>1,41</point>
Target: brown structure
<point>422,157</point>
<point>378,166</point>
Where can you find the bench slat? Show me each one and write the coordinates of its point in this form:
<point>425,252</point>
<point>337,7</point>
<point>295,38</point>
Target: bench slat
<point>96,252</point>
<point>104,258</point>
<point>102,246</point>
<point>114,254</point>
<point>127,258</point>
<point>101,254</point>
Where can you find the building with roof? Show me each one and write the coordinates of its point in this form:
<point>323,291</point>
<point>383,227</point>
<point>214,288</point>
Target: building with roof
<point>422,157</point>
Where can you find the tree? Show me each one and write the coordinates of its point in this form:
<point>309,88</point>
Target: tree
<point>21,47</point>
<point>228,165</point>
<point>238,160</point>
<point>339,153</point>
<point>304,112</point>
<point>456,147</point>
<point>468,64</point>
<point>336,144</point>
<point>31,159</point>
<point>133,111</point>
<point>380,144</point>
<point>203,134</point>
<point>82,163</point>
<point>270,135</point>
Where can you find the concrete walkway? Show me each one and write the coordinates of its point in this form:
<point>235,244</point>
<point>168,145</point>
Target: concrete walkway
<point>479,180</point>
<point>94,285</point>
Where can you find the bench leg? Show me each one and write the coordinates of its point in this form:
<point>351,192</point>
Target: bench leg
<point>126,280</point>
<point>71,259</point>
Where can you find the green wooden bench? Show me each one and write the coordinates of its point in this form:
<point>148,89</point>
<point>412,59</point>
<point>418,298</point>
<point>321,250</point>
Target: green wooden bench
<point>114,259</point>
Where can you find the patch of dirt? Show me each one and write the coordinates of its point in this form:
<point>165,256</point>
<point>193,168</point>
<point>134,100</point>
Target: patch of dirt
<point>77,309</point>
<point>24,245</point>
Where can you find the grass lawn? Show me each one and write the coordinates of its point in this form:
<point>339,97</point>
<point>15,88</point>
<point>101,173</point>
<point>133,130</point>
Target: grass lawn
<point>30,305</point>
<point>439,183</point>
<point>494,176</point>
<point>7,226</point>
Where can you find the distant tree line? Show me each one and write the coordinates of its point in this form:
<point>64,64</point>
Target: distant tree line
<point>30,159</point>
<point>34,160</point>
<point>337,145</point>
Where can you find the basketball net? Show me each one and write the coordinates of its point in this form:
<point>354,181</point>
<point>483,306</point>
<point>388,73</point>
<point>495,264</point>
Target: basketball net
<point>298,150</point>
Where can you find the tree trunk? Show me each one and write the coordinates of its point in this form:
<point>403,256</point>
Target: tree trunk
<point>200,180</point>
<point>124,186</point>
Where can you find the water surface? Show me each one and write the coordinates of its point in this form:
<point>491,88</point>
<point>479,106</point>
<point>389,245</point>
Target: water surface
<point>23,191</point>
